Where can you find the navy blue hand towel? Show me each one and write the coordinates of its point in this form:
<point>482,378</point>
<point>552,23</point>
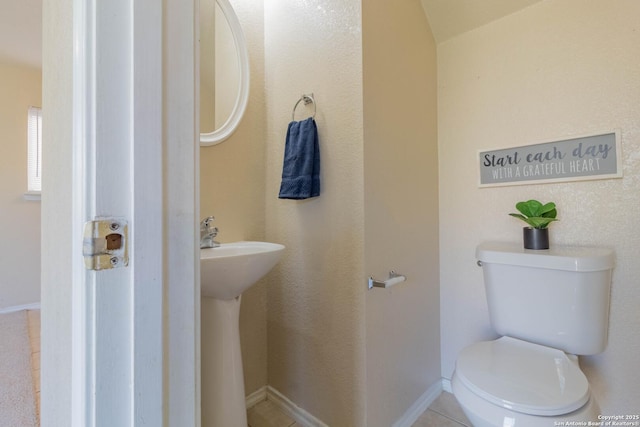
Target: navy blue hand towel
<point>301,167</point>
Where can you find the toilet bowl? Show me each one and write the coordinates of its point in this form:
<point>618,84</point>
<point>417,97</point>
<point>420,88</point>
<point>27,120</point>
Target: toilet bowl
<point>548,307</point>
<point>514,383</point>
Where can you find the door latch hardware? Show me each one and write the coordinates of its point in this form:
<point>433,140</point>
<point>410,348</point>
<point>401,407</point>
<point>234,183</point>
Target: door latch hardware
<point>105,243</point>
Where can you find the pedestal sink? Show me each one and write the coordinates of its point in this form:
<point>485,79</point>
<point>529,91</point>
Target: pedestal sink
<point>225,273</point>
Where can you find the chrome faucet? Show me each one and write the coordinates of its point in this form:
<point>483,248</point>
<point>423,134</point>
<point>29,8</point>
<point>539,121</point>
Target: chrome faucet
<point>208,233</point>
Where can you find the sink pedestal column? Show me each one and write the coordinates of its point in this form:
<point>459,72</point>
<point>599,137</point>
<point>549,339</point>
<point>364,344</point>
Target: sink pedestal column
<point>223,399</point>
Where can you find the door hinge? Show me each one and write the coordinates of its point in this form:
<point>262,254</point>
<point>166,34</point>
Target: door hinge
<point>105,243</point>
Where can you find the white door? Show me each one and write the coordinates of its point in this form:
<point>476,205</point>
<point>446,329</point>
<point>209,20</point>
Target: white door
<point>122,349</point>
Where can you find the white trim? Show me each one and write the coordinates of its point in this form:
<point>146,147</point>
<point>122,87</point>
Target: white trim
<point>182,212</point>
<point>79,353</point>
<point>13,309</point>
<point>118,317</point>
<point>32,196</point>
<point>81,129</point>
<point>301,416</point>
<point>419,406</point>
<point>256,397</point>
<point>305,419</point>
<point>446,385</point>
<point>148,231</point>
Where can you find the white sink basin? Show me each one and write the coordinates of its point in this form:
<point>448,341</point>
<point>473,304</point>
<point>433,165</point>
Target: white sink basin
<point>232,268</point>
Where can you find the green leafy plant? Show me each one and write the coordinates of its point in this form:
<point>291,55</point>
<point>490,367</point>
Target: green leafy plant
<point>535,213</point>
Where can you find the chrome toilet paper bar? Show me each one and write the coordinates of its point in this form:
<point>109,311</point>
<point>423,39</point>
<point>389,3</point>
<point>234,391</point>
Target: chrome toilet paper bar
<point>394,279</point>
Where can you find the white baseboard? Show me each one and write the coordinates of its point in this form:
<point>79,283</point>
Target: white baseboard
<point>292,410</point>
<point>301,416</point>
<point>446,385</point>
<point>419,406</point>
<point>32,306</point>
<point>305,419</point>
<point>256,397</point>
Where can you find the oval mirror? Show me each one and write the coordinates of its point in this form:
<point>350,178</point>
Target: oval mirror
<point>224,71</point>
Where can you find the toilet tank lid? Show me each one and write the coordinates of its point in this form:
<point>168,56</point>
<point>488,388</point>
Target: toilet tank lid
<point>569,258</point>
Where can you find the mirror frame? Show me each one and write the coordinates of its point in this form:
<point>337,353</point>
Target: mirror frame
<point>224,131</point>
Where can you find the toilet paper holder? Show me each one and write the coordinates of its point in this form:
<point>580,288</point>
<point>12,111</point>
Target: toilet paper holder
<point>394,279</point>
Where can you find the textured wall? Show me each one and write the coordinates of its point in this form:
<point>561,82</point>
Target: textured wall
<point>20,88</point>
<point>554,70</point>
<point>316,295</point>
<point>401,204</point>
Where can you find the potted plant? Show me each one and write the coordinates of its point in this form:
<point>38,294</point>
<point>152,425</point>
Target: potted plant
<point>538,216</point>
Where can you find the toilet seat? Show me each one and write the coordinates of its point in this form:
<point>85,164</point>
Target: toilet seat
<point>523,377</point>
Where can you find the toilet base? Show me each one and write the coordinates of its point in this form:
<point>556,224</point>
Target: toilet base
<point>482,413</point>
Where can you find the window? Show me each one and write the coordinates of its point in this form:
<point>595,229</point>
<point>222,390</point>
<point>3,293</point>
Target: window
<point>34,155</point>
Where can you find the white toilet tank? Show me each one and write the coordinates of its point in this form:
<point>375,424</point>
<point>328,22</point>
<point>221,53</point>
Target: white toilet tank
<point>557,297</point>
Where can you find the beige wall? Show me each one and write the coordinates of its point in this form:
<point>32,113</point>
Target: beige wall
<point>316,293</point>
<point>556,69</point>
<point>20,88</point>
<point>232,188</point>
<point>401,207</point>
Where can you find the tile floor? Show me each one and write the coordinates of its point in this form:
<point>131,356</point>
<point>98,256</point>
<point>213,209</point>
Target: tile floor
<point>444,412</point>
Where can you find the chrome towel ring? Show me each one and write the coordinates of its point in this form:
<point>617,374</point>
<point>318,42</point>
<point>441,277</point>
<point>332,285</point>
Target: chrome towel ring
<point>308,99</point>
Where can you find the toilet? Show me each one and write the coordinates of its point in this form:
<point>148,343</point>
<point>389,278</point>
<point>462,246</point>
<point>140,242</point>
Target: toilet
<point>548,307</point>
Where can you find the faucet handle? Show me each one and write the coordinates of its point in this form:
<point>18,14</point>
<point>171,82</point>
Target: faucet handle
<point>205,223</point>
<point>208,233</point>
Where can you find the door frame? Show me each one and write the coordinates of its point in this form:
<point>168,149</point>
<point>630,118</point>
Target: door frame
<point>121,346</point>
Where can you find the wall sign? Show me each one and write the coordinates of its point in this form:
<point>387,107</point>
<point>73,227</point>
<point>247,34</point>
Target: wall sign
<point>583,158</point>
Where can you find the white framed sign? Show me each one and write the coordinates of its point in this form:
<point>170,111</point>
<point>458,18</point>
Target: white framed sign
<point>576,159</point>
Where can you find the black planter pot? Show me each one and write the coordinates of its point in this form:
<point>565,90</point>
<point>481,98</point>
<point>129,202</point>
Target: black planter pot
<point>535,238</point>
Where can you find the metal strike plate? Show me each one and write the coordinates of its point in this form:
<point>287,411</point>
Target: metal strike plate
<point>105,244</point>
